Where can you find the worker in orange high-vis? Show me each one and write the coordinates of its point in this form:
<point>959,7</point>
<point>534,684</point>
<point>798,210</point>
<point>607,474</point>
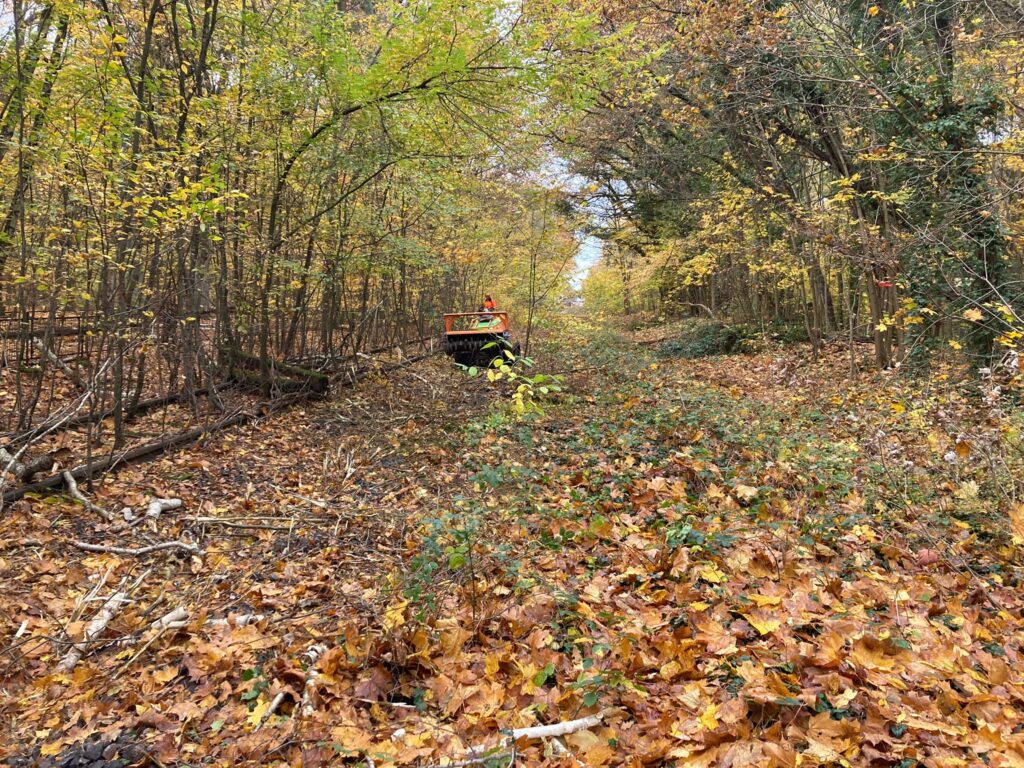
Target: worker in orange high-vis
<point>489,305</point>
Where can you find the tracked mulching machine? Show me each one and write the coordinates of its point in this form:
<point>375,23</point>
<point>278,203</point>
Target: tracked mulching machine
<point>476,338</point>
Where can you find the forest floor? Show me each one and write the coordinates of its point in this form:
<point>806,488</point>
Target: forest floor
<point>740,560</point>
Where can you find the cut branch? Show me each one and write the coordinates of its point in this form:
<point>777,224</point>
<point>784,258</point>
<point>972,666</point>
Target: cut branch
<point>309,690</point>
<point>69,480</point>
<point>58,363</point>
<point>539,732</point>
<point>96,628</point>
<point>179,617</point>
<point>557,729</point>
<point>184,438</point>
<point>243,620</point>
<point>191,549</point>
<point>175,619</point>
<point>158,506</point>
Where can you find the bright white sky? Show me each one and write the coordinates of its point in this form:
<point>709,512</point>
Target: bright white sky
<point>587,256</point>
<point>555,174</point>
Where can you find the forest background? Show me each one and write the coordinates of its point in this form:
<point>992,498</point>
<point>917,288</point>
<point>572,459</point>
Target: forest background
<point>188,186</point>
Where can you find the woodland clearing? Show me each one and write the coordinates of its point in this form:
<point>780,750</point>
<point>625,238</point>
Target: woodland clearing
<point>726,563</point>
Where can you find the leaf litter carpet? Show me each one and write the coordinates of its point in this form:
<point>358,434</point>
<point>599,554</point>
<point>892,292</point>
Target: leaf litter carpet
<point>720,564</point>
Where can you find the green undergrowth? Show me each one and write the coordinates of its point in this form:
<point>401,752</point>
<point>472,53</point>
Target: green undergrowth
<point>645,506</point>
<point>590,448</point>
<point>585,454</point>
<point>701,338</point>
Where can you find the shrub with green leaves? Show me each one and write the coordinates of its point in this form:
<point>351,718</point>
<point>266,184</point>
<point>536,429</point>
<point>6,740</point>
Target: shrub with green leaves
<point>706,339</point>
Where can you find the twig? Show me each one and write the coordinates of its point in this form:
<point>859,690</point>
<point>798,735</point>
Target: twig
<point>271,709</point>
<point>89,596</point>
<point>584,369</point>
<point>27,542</point>
<point>477,754</point>
<point>651,342</point>
<point>191,549</point>
<point>96,627</point>
<point>138,653</point>
<point>242,526</point>
<point>510,756</point>
<point>394,704</point>
<point>315,502</point>
<point>66,369</point>
<point>69,479</point>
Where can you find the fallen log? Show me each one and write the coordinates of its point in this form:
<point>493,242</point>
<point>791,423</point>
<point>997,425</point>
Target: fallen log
<point>184,438</point>
<point>143,406</point>
<point>24,470</point>
<point>313,380</point>
<point>84,471</point>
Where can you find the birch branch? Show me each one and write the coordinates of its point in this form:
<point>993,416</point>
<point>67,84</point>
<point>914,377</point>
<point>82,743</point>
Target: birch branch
<point>309,690</point>
<point>69,479</point>
<point>191,549</point>
<point>159,506</point>
<point>557,729</point>
<point>96,627</point>
<point>243,620</point>
<point>154,509</point>
<point>179,617</point>
<point>55,360</point>
<point>175,619</point>
<point>538,732</point>
<point>271,709</point>
<point>11,463</point>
